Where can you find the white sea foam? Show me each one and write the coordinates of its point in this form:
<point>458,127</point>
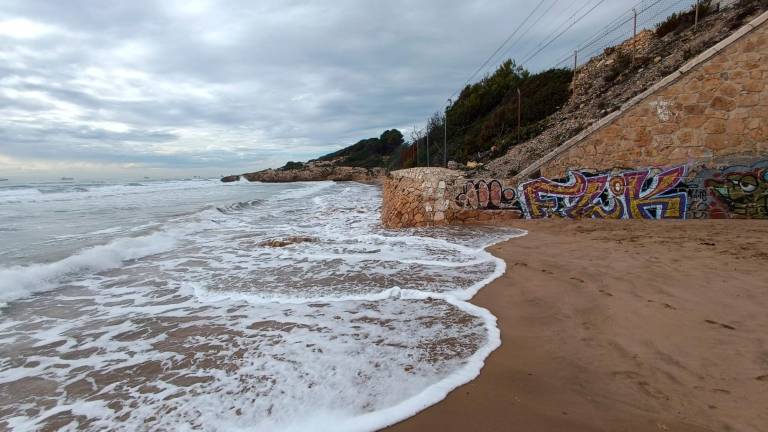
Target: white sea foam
<point>200,325</point>
<point>20,281</point>
<point>32,194</point>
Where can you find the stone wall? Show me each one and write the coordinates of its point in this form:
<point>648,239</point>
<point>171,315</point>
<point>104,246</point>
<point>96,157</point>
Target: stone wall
<point>435,196</point>
<point>416,197</point>
<point>419,197</point>
<point>693,146</point>
<point>713,110</point>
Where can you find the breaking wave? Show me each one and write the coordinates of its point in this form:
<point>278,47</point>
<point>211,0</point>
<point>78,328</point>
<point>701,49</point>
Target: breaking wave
<point>198,325</point>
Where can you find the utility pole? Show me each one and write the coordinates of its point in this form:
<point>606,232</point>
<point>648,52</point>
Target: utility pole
<point>696,19</point>
<point>634,35</point>
<point>575,61</point>
<point>519,110</point>
<point>415,138</point>
<point>427,144</point>
<point>575,65</point>
<point>445,135</point>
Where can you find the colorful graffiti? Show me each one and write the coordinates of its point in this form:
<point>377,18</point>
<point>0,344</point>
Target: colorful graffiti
<point>630,195</point>
<point>735,192</point>
<point>491,195</point>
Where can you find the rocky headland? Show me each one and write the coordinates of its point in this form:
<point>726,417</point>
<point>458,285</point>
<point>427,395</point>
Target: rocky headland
<point>317,171</point>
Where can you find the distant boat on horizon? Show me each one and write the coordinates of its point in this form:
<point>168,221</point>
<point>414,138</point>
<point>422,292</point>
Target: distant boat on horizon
<point>3,179</point>
<point>67,178</point>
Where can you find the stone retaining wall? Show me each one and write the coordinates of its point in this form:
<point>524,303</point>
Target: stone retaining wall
<point>714,108</point>
<point>436,196</point>
<point>693,146</point>
<point>419,197</point>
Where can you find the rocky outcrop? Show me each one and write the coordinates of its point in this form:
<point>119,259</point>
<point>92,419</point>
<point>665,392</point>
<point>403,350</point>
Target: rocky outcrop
<point>287,241</point>
<point>230,179</point>
<point>317,172</point>
<point>332,173</point>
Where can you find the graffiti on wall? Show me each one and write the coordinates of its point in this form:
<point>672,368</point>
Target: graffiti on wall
<point>671,193</point>
<point>736,192</point>
<point>630,195</point>
<point>491,195</point>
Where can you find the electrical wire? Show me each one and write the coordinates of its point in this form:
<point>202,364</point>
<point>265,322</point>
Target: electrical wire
<point>498,49</point>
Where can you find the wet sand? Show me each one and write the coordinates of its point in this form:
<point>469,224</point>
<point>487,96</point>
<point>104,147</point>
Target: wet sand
<point>622,326</point>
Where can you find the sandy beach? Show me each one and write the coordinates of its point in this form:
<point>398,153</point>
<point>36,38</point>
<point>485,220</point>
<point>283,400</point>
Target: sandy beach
<point>622,326</point>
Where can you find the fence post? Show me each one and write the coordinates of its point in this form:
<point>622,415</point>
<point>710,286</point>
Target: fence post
<point>519,110</point>
<point>417,152</point>
<point>696,19</point>
<point>634,35</point>
<point>575,61</point>
<point>445,137</point>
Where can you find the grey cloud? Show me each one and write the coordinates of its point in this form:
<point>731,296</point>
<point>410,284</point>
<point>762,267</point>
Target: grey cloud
<point>268,80</point>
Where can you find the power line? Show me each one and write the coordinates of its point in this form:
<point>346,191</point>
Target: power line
<point>600,36</point>
<point>522,35</point>
<point>499,48</point>
<point>532,56</point>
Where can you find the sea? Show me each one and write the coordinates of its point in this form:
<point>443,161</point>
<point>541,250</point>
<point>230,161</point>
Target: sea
<point>197,305</point>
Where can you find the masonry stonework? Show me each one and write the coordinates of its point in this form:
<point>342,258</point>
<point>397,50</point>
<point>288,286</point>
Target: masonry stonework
<point>715,111</point>
<point>419,197</point>
<point>693,146</point>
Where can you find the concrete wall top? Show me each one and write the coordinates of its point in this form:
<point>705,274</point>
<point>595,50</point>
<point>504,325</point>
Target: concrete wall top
<point>426,172</point>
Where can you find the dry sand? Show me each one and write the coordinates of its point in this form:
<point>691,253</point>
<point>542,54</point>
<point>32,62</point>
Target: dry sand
<point>622,326</point>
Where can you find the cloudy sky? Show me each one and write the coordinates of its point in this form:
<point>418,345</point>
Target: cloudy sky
<point>205,87</point>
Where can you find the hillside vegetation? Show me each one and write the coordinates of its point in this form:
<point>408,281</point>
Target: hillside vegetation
<point>554,105</point>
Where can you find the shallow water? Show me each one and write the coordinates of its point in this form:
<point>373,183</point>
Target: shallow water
<point>166,306</point>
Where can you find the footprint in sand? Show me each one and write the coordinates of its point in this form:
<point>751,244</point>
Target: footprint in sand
<point>725,326</point>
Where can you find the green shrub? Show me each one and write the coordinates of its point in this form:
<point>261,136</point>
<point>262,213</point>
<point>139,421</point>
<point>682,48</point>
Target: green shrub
<point>369,153</point>
<point>680,21</point>
<point>292,166</point>
<point>621,63</point>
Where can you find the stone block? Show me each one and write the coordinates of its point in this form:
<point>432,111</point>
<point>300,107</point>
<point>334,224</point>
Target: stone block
<point>753,85</point>
<point>694,109</point>
<point>734,126</point>
<point>722,103</point>
<point>715,141</point>
<point>685,138</point>
<point>688,98</point>
<point>694,121</point>
<point>753,123</point>
<point>714,126</point>
<point>729,90</point>
<point>700,153</point>
<point>759,134</point>
<point>748,100</point>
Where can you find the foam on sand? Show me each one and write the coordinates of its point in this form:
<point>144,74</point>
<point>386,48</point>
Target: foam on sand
<point>198,326</point>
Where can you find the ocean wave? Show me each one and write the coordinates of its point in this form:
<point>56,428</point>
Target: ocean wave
<point>346,333</point>
<point>58,192</point>
<point>239,206</point>
<point>22,281</point>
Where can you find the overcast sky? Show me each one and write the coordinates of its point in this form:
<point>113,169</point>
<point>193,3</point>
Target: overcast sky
<point>203,87</point>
